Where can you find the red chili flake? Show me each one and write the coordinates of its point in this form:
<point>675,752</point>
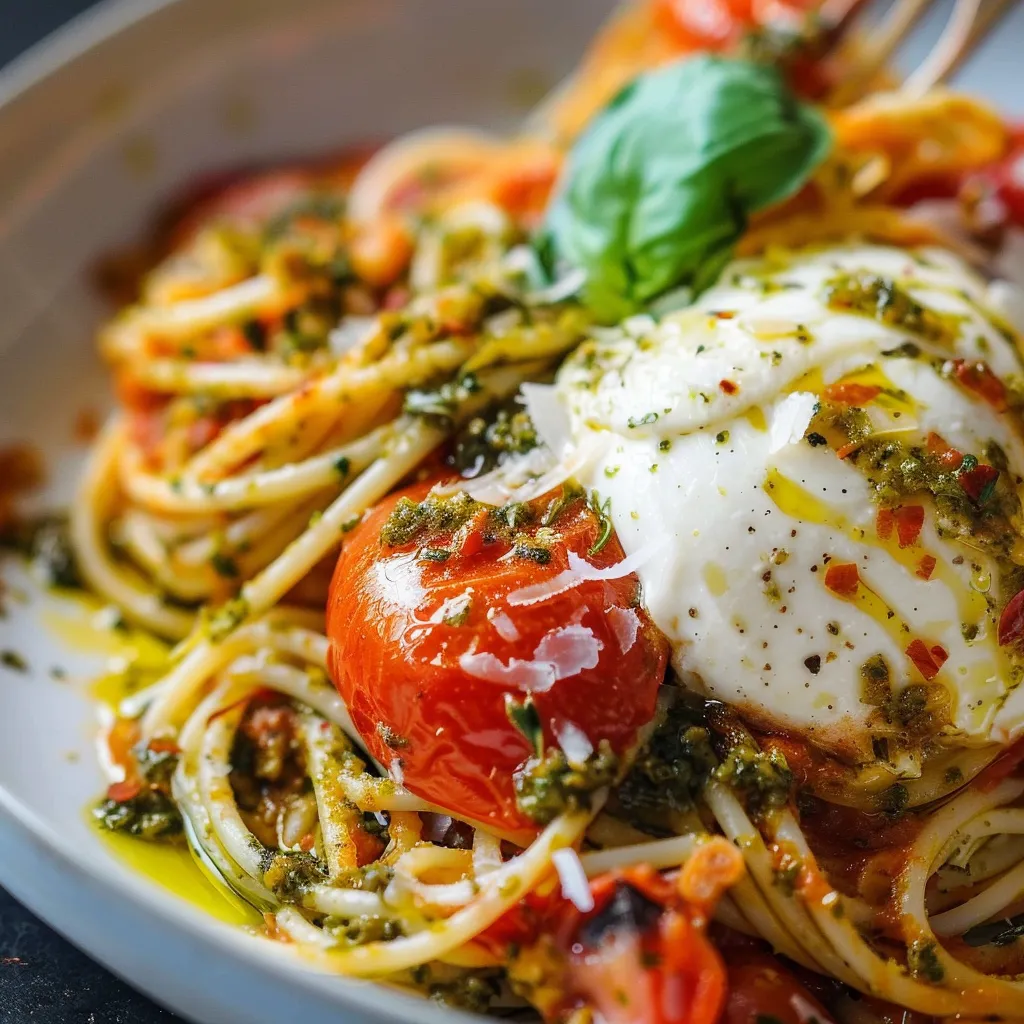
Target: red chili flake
<point>949,458</point>
<point>927,662</point>
<point>120,792</point>
<point>977,377</point>
<point>851,393</point>
<point>979,483</point>
<point>848,449</point>
<point>909,520</point>
<point>1011,622</point>
<point>722,314</point>
<point>842,579</point>
<point>730,387</point>
<point>926,567</point>
<point>884,523</point>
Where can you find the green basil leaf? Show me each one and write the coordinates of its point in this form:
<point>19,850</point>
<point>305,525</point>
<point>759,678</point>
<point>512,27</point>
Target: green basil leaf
<point>660,187</point>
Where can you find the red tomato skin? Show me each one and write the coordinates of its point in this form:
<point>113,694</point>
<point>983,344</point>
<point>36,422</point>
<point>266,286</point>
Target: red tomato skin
<point>759,986</point>
<point>397,663</point>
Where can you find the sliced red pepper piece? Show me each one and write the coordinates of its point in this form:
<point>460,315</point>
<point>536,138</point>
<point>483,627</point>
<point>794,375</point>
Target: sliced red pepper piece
<point>848,449</point>
<point>977,377</point>
<point>927,661</point>
<point>842,579</point>
<point>926,567</point>
<point>849,392</point>
<point>909,520</point>
<point>885,523</point>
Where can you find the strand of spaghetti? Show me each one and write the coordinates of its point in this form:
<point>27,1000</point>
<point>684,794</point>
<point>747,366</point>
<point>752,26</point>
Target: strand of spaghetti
<point>306,644</point>
<point>261,592</point>
<point>250,378</point>
<point>985,864</point>
<point>879,976</point>
<point>414,439</point>
<point>287,483</point>
<point>178,320</point>
<point>499,892</point>
<point>96,492</point>
<point>212,775</point>
<point>486,853</point>
<point>659,853</point>
<point>607,831</point>
<point>147,550</point>
<point>790,914</point>
<point>983,907</point>
<point>406,830</point>
<point>294,683</point>
<point>322,741</point>
<point>347,385</point>
<point>237,534</point>
<point>878,223</point>
<point>204,662</point>
<point>406,887</point>
<point>296,927</point>
<point>929,850</point>
<point>291,922</point>
<point>198,824</point>
<point>937,841</point>
<point>254,558</point>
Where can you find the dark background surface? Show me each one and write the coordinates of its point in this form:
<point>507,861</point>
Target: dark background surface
<point>43,979</point>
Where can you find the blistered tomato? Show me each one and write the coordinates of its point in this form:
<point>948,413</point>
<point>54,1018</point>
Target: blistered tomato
<point>429,637</point>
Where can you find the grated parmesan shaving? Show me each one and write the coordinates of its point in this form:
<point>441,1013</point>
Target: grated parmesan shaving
<point>574,742</point>
<point>575,887</point>
<point>562,653</point>
<point>581,571</point>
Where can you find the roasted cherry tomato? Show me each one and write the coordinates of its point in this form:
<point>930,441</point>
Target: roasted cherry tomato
<point>1004,182</point>
<point>721,24</point>
<point>761,987</point>
<point>990,198</point>
<point>430,636</point>
<point>641,956</point>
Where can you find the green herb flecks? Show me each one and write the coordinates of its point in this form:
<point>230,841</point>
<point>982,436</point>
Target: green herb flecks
<point>887,302</point>
<point>550,784</point>
<point>441,405</point>
<point>603,512</point>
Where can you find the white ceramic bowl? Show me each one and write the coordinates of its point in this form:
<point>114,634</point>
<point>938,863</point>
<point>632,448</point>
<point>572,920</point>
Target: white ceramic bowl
<point>97,127</point>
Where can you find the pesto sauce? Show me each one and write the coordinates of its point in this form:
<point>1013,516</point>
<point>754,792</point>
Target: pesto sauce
<point>289,876</point>
<point>152,813</point>
<point>528,528</point>
<point>883,300</point>
<point>488,441</point>
<point>762,778</point>
<point>549,784</point>
<point>673,767</point>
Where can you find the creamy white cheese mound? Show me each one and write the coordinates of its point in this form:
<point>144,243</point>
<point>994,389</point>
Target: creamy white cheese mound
<point>699,431</point>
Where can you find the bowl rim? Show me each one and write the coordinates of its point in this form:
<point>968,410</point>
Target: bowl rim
<point>74,38</point>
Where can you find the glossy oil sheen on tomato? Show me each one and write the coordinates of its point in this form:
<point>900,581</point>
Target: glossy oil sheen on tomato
<point>425,652</point>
